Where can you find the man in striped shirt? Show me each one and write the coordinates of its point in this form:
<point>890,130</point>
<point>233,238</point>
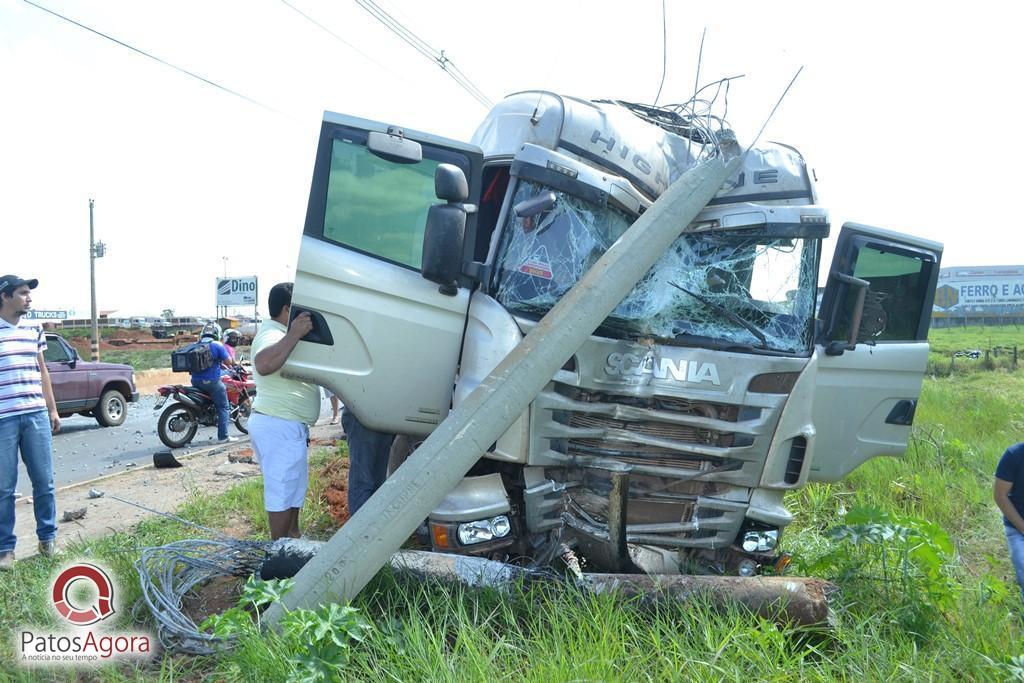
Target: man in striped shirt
<point>28,417</point>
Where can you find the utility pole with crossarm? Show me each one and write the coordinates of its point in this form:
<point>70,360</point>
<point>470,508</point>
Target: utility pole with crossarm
<point>96,250</point>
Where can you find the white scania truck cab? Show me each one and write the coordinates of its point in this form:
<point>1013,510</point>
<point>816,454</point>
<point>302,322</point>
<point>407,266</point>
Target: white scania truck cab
<point>722,381</point>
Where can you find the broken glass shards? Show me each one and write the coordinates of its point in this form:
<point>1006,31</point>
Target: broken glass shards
<point>724,288</point>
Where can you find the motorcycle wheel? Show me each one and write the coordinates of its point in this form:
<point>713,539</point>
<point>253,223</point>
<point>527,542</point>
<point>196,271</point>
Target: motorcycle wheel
<point>242,413</point>
<point>178,425</point>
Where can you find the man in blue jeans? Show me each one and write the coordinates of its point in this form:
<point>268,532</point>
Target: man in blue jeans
<point>208,380</point>
<point>28,417</point>
<point>367,459</point>
<point>1008,492</point>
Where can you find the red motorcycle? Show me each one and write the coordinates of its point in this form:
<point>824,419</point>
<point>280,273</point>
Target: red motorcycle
<point>193,408</point>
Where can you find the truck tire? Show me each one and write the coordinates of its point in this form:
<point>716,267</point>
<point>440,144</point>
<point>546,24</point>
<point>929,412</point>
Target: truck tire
<point>401,448</point>
<point>177,426</point>
<point>112,410</point>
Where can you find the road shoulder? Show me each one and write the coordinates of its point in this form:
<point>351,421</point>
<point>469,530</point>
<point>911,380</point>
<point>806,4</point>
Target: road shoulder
<point>205,472</point>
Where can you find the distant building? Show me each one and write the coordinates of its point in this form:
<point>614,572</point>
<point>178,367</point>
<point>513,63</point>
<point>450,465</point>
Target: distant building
<point>979,295</point>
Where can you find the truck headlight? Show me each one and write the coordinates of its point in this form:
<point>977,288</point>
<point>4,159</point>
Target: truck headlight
<point>484,530</point>
<point>760,540</point>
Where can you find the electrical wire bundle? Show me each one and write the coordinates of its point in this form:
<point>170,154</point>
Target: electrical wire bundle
<point>167,573</point>
<point>693,119</point>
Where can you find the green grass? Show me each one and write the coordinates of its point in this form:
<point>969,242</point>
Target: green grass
<point>145,359</point>
<point>998,340</point>
<point>949,339</point>
<point>432,632</point>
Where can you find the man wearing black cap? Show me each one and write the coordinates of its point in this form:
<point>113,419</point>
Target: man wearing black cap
<point>28,417</point>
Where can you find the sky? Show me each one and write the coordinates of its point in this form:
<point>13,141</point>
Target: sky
<point>907,112</point>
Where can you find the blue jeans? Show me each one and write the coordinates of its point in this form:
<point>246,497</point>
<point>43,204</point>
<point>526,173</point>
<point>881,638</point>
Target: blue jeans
<point>367,460</point>
<point>29,433</point>
<point>1015,540</point>
<point>219,393</point>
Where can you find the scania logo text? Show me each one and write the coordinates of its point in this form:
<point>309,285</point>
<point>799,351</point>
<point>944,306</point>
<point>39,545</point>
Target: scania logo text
<point>628,364</point>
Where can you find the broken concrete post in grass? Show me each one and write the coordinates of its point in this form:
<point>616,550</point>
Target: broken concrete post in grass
<point>794,601</point>
<point>365,544</point>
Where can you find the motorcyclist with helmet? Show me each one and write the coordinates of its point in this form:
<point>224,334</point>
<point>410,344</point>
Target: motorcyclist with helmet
<point>208,380</point>
<point>231,339</point>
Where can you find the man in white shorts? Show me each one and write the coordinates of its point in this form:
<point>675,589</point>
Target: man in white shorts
<point>282,413</point>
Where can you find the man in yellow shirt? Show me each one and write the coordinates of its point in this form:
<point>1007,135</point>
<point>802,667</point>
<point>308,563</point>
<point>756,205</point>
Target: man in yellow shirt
<point>283,411</point>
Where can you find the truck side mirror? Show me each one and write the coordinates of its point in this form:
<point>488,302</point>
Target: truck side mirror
<point>837,347</point>
<point>445,231</point>
<point>535,205</point>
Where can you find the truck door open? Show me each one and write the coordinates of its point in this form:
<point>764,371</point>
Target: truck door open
<point>872,347</point>
<point>385,339</point>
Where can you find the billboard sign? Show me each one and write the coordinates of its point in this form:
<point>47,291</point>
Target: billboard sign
<point>963,292</point>
<point>236,291</point>
<point>46,315</point>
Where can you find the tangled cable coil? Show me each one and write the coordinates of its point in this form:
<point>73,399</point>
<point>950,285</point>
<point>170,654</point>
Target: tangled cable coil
<point>167,573</point>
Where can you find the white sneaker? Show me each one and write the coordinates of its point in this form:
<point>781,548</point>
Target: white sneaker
<point>229,439</point>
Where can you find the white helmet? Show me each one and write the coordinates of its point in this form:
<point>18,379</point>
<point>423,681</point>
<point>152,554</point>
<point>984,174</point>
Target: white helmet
<point>211,330</point>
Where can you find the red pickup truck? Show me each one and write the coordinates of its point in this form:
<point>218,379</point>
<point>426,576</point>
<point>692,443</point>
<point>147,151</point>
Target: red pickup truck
<point>100,390</point>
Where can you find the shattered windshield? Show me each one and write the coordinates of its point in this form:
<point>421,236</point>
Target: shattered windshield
<point>722,288</point>
<point>545,253</point>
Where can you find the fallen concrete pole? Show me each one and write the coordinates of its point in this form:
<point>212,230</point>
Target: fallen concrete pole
<point>797,601</point>
<point>360,548</point>
<point>800,601</point>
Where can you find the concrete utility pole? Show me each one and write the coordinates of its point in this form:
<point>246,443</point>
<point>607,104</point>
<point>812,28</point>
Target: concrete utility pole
<point>223,310</point>
<point>96,250</point>
<point>360,548</point>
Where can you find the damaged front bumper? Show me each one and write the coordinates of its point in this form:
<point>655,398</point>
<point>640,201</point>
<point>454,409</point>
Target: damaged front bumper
<point>479,518</point>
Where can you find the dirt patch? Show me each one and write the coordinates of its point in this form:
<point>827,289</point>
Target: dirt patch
<point>245,455</point>
<point>238,527</point>
<point>147,381</point>
<point>216,596</point>
<point>127,342</point>
<point>334,476</point>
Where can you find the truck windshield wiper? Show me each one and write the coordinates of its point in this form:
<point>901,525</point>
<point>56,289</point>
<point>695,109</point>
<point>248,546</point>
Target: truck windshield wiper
<point>747,325</point>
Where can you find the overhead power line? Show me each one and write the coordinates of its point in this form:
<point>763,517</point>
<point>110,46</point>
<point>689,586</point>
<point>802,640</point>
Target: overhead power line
<point>335,35</point>
<point>162,61</point>
<point>664,51</point>
<point>424,48</point>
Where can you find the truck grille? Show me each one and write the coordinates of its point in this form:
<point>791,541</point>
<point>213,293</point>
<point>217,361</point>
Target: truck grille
<point>660,430</point>
<point>715,411</point>
<point>645,431</point>
<point>672,446</point>
<point>636,454</point>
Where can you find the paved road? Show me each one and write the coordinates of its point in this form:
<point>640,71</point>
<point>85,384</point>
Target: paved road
<point>83,450</point>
